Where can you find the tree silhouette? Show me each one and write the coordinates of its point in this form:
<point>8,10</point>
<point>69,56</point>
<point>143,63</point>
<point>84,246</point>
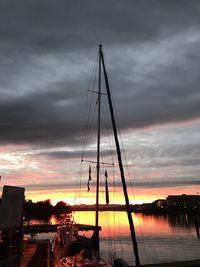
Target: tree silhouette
<point>44,209</point>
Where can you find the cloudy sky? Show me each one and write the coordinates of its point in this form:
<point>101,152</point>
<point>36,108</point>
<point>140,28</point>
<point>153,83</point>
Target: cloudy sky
<point>48,52</point>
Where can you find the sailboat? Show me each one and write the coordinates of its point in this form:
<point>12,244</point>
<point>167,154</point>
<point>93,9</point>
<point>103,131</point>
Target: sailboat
<point>75,249</point>
<point>128,210</point>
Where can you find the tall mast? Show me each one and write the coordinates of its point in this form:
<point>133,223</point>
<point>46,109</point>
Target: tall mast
<point>128,210</point>
<point>98,153</point>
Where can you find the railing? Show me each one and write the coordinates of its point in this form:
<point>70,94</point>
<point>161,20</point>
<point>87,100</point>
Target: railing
<point>13,261</point>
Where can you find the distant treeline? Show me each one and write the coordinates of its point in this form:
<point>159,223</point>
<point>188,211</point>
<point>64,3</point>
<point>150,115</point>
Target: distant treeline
<point>44,209</point>
<point>149,208</point>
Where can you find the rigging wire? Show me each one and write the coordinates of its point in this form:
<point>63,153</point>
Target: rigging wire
<point>107,218</point>
<point>86,135</point>
<point>90,112</point>
<point>88,108</point>
<point>112,241</point>
<point>85,128</point>
<point>125,159</point>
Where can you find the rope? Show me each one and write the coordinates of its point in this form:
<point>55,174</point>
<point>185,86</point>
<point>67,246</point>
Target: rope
<point>88,109</point>
<point>128,173</point>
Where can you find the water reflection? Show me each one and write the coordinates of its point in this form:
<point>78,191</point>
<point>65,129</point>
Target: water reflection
<point>111,221</point>
<point>53,219</point>
<point>160,238</point>
<point>184,220</point>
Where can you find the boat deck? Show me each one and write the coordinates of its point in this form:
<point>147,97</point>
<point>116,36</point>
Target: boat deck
<point>28,254</point>
<point>36,254</point>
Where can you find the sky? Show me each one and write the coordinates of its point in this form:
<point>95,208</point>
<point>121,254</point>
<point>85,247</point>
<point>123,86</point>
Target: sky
<point>48,52</point>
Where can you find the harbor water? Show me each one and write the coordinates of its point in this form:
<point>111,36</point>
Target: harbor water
<point>160,239</point>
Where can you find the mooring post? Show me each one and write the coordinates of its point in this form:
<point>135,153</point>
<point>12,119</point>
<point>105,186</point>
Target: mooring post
<point>196,226</point>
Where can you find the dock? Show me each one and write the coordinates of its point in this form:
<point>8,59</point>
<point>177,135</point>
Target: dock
<point>41,256</point>
<point>36,253</point>
<point>28,254</point>
<point>39,228</point>
<point>50,228</point>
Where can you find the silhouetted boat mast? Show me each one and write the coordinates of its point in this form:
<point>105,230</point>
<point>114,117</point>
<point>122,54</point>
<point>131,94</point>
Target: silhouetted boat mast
<point>128,210</point>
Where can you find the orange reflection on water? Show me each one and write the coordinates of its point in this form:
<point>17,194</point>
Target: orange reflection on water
<point>53,220</point>
<point>116,223</point>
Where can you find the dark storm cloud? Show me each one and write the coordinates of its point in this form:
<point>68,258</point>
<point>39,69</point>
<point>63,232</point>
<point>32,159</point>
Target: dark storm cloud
<point>35,118</point>
<point>72,154</point>
<point>149,184</point>
<point>52,25</point>
<point>165,184</point>
<point>46,49</point>
<point>174,155</point>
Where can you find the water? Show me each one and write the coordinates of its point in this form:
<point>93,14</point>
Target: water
<point>160,238</point>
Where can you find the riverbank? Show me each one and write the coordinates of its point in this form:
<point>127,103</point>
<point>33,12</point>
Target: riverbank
<point>149,208</point>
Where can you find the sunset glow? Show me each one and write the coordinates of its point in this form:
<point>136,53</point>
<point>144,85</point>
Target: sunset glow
<point>100,104</point>
<point>151,176</point>
<point>47,96</point>
<point>145,195</point>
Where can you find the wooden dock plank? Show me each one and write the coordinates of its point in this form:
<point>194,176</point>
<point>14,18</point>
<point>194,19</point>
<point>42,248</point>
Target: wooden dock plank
<point>42,228</point>
<point>28,254</point>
